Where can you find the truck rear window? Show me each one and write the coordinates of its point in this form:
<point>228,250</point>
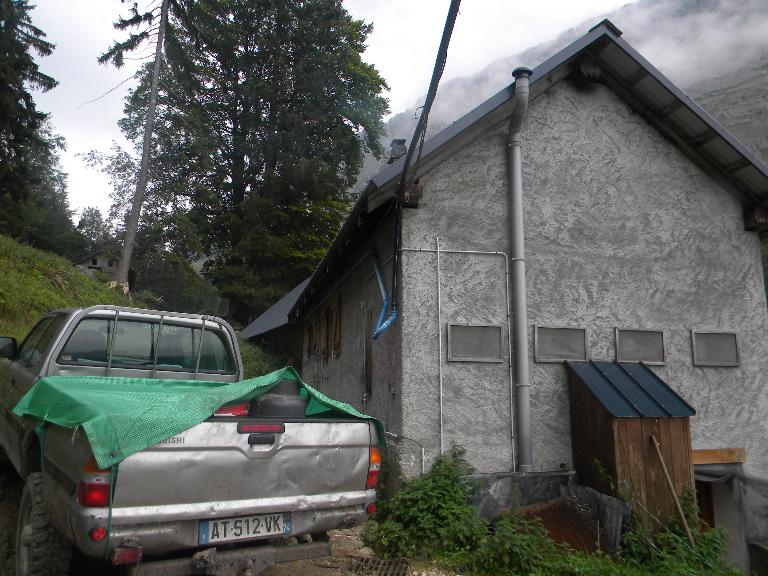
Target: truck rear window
<point>138,343</point>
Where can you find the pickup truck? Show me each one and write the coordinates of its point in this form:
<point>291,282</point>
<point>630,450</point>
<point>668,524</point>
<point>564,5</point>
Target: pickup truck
<point>214,499</point>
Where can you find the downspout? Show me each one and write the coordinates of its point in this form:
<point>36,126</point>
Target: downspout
<point>519,301</point>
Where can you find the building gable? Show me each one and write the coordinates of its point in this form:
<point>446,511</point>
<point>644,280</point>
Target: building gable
<point>600,56</point>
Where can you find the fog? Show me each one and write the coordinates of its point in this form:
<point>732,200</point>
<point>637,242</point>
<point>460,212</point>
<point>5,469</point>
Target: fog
<point>690,41</point>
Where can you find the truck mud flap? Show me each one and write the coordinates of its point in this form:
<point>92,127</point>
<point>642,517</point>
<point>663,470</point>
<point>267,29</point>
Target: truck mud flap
<point>240,562</point>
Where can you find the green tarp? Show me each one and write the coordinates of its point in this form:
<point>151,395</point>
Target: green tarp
<point>122,416</point>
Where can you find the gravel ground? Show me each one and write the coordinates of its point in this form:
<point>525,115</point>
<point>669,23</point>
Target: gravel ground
<point>347,547</point>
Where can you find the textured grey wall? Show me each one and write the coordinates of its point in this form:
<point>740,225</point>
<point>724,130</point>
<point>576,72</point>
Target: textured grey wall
<point>343,377</point>
<point>623,231</point>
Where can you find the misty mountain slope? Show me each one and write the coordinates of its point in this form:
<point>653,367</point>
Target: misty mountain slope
<point>739,101</point>
<point>715,50</point>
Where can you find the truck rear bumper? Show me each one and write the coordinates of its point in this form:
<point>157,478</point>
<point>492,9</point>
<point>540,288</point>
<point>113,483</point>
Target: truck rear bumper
<point>239,562</point>
<point>162,538</point>
<point>165,529</point>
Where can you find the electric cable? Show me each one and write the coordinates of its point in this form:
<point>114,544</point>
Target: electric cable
<point>418,137</point>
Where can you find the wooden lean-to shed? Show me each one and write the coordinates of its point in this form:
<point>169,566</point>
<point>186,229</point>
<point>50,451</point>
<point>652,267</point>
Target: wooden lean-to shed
<point>617,409</point>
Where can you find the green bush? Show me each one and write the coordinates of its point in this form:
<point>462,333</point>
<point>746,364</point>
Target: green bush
<point>669,552</point>
<point>256,361</point>
<point>430,517</point>
<point>516,546</point>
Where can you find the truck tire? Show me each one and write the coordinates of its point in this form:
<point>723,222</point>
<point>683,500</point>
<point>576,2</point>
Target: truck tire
<point>40,549</point>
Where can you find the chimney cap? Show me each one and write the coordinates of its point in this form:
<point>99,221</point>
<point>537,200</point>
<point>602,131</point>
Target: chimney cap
<point>522,71</point>
<point>397,150</point>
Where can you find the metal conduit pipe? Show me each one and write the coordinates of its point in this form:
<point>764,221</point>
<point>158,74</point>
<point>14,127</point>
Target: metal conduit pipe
<point>439,341</point>
<point>439,251</point>
<point>519,298</point>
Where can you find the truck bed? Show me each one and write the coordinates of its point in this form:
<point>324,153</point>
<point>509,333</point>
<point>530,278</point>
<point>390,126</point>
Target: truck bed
<point>310,478</point>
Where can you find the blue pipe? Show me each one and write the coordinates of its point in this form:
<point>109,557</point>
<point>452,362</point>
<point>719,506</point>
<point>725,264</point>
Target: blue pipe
<point>384,323</point>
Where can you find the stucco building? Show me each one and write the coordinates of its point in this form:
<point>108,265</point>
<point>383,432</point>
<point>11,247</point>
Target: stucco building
<point>98,262</point>
<point>642,242</point>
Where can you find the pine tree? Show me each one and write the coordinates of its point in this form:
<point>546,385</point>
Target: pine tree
<point>33,188</point>
<point>20,121</point>
<point>116,54</point>
<point>265,111</point>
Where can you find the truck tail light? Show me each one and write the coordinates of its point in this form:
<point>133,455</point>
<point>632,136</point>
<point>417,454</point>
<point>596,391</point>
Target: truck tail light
<point>93,491</point>
<point>263,428</point>
<point>122,555</point>
<point>234,410</point>
<point>374,467</point>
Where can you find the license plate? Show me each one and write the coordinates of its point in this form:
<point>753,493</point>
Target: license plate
<point>243,528</point>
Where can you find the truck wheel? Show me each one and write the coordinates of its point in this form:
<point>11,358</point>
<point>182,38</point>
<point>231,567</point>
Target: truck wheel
<point>40,549</point>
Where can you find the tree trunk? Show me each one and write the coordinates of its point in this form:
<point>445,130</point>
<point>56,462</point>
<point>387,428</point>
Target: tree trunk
<point>121,276</point>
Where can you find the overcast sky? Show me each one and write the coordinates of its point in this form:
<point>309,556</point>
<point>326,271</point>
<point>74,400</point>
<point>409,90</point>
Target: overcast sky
<point>403,46</point>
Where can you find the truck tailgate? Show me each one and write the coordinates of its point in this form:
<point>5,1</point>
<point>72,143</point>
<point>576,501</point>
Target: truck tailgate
<point>220,461</point>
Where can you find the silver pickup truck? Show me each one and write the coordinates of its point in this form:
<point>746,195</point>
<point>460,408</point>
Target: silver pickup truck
<point>233,495</point>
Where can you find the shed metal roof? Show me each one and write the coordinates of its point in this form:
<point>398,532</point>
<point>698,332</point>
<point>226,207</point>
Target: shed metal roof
<point>630,390</point>
<point>275,316</point>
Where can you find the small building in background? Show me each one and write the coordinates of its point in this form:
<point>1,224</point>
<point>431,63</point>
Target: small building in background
<point>103,262</point>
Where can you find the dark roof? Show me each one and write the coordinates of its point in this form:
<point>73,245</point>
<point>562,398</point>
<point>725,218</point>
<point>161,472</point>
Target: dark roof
<point>94,255</point>
<point>628,389</point>
<point>635,80</point>
<point>275,316</point>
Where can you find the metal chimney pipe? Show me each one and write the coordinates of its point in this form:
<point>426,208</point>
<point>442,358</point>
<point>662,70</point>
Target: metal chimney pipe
<point>519,298</point>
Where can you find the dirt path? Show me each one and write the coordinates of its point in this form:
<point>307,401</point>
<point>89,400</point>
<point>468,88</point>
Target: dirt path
<point>347,550</point>
<point>346,547</point>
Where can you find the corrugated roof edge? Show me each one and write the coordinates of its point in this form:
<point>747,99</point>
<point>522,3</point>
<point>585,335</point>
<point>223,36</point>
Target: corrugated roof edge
<point>276,315</point>
<point>683,409</point>
<point>494,102</point>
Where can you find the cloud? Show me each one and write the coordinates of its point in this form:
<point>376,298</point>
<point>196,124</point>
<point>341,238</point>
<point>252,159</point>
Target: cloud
<point>81,31</point>
<point>690,41</point>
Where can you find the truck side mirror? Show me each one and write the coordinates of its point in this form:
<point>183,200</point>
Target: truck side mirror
<point>8,347</point>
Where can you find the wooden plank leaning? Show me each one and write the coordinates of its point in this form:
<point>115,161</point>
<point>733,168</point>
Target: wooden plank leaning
<point>672,490</point>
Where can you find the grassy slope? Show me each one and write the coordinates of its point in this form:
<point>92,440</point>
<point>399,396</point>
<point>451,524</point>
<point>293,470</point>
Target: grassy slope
<point>33,282</point>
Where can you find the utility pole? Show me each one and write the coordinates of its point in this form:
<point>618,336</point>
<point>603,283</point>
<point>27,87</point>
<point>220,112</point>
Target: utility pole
<point>132,226</point>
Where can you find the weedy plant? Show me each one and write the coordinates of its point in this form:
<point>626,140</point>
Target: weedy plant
<point>430,518</point>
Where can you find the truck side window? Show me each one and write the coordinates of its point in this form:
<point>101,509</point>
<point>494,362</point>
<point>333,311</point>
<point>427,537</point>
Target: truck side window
<point>38,342</point>
<point>178,347</point>
<point>88,343</point>
<point>133,344</point>
<point>215,356</point>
